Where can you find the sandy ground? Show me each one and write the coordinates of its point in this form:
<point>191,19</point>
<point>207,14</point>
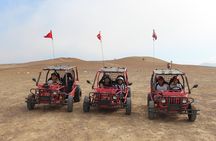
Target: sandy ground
<point>54,123</point>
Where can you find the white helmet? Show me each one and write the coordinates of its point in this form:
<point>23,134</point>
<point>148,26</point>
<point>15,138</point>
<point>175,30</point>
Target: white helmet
<point>120,78</point>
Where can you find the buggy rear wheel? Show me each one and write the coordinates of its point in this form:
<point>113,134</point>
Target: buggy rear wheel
<point>129,92</point>
<point>148,99</point>
<point>77,95</point>
<point>70,103</point>
<point>151,110</point>
<point>192,113</point>
<point>128,106</point>
<point>86,104</point>
<point>30,102</point>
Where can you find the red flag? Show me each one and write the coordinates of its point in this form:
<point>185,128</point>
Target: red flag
<point>154,35</point>
<point>49,35</point>
<point>99,36</point>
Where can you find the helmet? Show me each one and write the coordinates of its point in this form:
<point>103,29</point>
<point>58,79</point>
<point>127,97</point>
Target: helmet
<point>120,78</point>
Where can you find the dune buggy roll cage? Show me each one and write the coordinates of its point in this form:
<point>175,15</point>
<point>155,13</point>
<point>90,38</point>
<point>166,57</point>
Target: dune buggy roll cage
<point>67,69</point>
<point>176,72</point>
<point>107,70</point>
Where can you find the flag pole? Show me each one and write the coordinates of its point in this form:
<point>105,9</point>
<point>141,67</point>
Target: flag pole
<point>50,36</point>
<point>101,45</point>
<point>53,50</point>
<point>153,51</point>
<point>154,36</point>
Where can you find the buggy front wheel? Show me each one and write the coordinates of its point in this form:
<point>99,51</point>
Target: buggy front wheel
<point>30,102</point>
<point>128,106</point>
<point>86,104</point>
<point>192,113</point>
<point>151,110</point>
<point>70,103</point>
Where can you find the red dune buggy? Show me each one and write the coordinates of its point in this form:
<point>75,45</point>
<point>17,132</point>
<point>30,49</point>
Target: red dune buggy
<point>115,94</point>
<point>170,93</point>
<point>56,85</point>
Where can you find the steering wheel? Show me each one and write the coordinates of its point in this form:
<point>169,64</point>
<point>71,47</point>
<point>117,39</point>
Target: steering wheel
<point>175,88</point>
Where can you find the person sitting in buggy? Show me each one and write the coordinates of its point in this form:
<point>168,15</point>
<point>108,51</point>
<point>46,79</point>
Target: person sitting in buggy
<point>175,84</point>
<point>105,81</point>
<point>54,79</point>
<point>120,84</point>
<point>68,81</point>
<point>161,84</point>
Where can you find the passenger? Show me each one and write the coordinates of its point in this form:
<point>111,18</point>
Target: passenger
<point>68,78</point>
<point>120,83</point>
<point>54,79</point>
<point>175,84</point>
<point>68,81</point>
<point>161,85</point>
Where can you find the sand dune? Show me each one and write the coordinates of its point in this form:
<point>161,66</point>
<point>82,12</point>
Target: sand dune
<point>54,123</point>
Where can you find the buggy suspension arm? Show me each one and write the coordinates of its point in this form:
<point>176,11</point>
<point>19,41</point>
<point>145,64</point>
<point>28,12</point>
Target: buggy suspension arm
<point>32,90</point>
<point>192,100</point>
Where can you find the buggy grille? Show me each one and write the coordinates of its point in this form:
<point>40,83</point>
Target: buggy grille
<point>173,100</point>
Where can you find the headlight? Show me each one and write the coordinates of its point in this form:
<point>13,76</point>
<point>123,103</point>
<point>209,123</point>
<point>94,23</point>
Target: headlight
<point>114,97</point>
<point>55,93</point>
<point>37,91</point>
<point>163,100</point>
<point>184,100</point>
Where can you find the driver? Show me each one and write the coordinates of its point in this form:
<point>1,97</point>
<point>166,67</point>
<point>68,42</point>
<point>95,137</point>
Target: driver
<point>161,85</point>
<point>175,84</point>
<point>105,81</point>
<point>54,79</point>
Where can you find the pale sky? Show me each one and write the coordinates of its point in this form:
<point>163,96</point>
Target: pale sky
<point>186,29</point>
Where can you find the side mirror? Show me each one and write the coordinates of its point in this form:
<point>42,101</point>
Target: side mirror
<point>89,82</point>
<point>195,86</point>
<point>129,84</point>
<point>33,79</point>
